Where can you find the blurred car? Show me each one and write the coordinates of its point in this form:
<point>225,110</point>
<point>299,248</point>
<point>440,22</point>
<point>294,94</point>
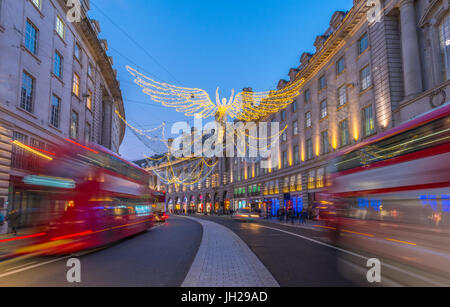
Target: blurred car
<point>246,215</point>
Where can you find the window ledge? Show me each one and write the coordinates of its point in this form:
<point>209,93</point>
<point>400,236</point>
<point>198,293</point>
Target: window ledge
<point>62,39</point>
<point>342,106</point>
<point>58,78</point>
<point>55,128</point>
<point>77,97</point>
<point>366,90</point>
<point>26,112</point>
<point>37,9</point>
<point>323,119</point>
<point>362,53</point>
<point>22,46</point>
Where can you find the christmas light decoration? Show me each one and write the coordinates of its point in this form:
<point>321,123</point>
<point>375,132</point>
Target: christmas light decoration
<point>245,106</point>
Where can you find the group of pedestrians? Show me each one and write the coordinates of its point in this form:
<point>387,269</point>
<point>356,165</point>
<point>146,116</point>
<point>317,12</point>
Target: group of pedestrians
<point>12,217</point>
<point>292,216</point>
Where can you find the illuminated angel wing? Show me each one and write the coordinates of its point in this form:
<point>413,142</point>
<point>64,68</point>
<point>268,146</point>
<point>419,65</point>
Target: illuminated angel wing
<point>190,101</point>
<point>252,106</point>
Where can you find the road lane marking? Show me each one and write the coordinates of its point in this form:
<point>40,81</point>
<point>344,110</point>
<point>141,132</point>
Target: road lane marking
<point>324,227</point>
<point>359,256</point>
<point>398,241</point>
<point>33,266</point>
<point>20,266</point>
<point>359,233</point>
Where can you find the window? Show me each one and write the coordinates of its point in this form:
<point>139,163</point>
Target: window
<point>299,182</point>
<point>325,143</point>
<point>60,27</point>
<point>249,172</point>
<point>284,136</point>
<point>320,178</point>
<point>89,100</point>
<point>308,120</point>
<point>77,52</point>
<point>57,67</point>
<point>309,149</point>
<point>445,43</point>
<point>323,109</point>
<point>365,78</point>
<point>312,179</point>
<point>307,96</point>
<point>283,115</point>
<point>296,154</point>
<point>342,96</point>
<point>19,158</point>
<point>363,43</point>
<point>27,94</point>
<point>295,128</point>
<point>322,82</point>
<point>74,125</point>
<point>54,116</point>
<point>285,159</point>
<point>344,132</point>
<point>340,65</point>
<point>76,85</point>
<point>31,37</point>
<point>368,121</point>
<point>37,4</point>
<point>294,106</point>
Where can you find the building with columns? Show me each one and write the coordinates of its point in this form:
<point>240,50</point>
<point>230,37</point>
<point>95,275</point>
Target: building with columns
<point>56,82</point>
<point>368,73</point>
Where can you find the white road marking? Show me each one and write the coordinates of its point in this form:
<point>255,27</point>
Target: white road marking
<point>33,266</point>
<point>359,256</point>
<point>20,266</point>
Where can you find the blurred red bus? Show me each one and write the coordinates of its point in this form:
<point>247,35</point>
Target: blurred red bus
<point>101,198</point>
<point>402,175</point>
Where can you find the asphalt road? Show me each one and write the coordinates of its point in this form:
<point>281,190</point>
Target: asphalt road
<point>160,257</point>
<point>307,257</point>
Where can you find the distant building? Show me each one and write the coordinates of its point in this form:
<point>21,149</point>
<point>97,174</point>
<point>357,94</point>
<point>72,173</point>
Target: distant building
<point>56,82</point>
<point>363,78</point>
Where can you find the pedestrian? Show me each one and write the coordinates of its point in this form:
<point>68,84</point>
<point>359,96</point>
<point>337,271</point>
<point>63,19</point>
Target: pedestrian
<point>13,219</point>
<point>2,219</point>
<point>303,217</point>
<point>292,215</point>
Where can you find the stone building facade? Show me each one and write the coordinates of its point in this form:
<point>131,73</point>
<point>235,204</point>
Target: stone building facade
<point>368,73</point>
<point>56,82</point>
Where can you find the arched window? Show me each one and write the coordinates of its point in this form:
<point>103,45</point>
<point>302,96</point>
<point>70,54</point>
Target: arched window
<point>445,44</point>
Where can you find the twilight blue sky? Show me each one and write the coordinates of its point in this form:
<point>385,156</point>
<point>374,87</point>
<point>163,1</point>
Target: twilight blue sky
<point>206,44</point>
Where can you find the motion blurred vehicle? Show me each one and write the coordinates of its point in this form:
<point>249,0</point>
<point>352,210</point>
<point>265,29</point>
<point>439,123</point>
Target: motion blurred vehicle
<point>159,205</point>
<point>403,175</point>
<point>246,215</point>
<point>390,195</point>
<point>96,198</point>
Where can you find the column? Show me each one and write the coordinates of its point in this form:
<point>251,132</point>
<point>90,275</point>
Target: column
<point>107,122</point>
<point>412,69</point>
<point>5,164</point>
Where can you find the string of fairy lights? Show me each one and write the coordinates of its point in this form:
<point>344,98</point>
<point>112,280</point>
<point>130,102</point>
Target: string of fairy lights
<point>246,106</point>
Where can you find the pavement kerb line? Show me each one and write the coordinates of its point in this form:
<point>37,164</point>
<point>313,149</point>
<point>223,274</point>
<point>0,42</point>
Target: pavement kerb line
<point>357,255</point>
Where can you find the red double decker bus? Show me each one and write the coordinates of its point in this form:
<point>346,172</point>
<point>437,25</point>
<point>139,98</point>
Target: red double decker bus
<point>95,196</point>
<point>402,175</point>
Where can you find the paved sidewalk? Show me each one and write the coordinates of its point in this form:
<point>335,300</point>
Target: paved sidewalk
<point>224,260</point>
